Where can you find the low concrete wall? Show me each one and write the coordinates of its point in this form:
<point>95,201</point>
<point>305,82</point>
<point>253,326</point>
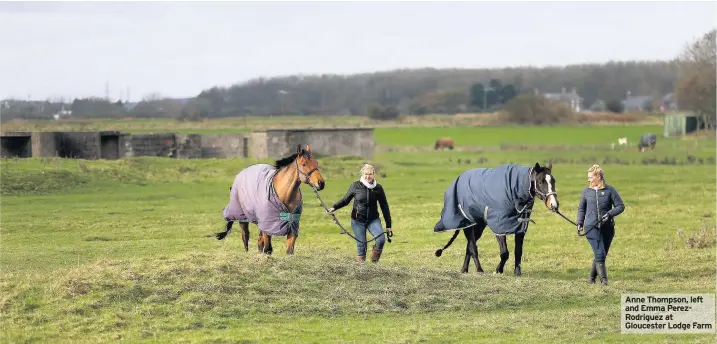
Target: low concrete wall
<point>83,145</point>
<point>259,145</point>
<point>272,144</point>
<point>43,144</point>
<point>110,148</point>
<point>324,142</point>
<point>16,144</point>
<point>79,145</point>
<point>189,146</point>
<point>161,144</point>
<point>225,146</point>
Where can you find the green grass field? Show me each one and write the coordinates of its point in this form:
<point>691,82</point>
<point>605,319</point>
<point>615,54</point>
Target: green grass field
<point>493,136</point>
<point>98,251</point>
<point>246,124</point>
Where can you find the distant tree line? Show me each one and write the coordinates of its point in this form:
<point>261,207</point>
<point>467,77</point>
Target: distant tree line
<point>437,90</point>
<point>416,91</point>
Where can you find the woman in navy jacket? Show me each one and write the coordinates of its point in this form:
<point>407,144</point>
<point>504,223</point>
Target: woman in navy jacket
<point>599,206</point>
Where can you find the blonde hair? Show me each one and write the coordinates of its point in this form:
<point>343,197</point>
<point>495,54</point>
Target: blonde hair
<point>367,167</point>
<point>597,170</point>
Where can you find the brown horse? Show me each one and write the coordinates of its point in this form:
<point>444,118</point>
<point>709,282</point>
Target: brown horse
<point>444,142</point>
<point>270,197</point>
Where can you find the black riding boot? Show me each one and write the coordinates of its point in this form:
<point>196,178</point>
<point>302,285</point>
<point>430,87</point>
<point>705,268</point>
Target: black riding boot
<point>593,274</point>
<point>602,272</point>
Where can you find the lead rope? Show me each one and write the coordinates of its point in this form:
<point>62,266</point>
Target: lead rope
<point>343,230</point>
<point>585,232</point>
<point>557,211</point>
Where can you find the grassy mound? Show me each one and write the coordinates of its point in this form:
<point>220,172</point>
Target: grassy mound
<point>154,297</point>
<point>43,176</point>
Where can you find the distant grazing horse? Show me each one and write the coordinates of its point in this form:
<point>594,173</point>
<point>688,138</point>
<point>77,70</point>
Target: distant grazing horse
<point>500,198</point>
<point>444,142</point>
<point>622,141</point>
<point>647,140</point>
<point>270,197</point>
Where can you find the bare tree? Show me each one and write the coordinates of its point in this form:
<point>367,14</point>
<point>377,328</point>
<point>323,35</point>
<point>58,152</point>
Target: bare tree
<point>696,90</point>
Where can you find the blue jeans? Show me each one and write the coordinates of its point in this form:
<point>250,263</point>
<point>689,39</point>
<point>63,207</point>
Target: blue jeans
<point>600,241</point>
<point>375,228</point>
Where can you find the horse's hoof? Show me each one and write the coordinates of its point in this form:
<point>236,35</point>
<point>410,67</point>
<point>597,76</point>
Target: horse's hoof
<point>517,271</point>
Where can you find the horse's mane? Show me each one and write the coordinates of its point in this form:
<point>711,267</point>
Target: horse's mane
<point>289,159</point>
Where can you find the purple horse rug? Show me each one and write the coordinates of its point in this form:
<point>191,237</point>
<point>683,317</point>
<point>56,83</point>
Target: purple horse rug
<point>252,198</point>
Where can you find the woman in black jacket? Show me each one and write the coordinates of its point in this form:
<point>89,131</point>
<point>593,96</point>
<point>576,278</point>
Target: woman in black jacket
<point>366,193</point>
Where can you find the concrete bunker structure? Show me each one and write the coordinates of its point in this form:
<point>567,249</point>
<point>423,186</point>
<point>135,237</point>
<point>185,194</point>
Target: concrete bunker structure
<point>110,145</point>
<point>83,145</point>
<point>16,145</point>
<point>277,143</point>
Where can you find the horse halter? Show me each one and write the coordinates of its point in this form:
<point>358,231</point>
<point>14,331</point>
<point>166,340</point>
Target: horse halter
<point>543,195</point>
<point>306,175</point>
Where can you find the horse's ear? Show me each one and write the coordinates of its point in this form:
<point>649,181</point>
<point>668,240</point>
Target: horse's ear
<point>537,166</point>
<point>308,148</point>
<point>298,149</point>
<point>550,165</point>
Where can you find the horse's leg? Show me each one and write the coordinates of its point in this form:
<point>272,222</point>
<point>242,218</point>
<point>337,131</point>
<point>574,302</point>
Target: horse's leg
<point>260,242</point>
<point>245,234</point>
<point>518,251</point>
<point>478,232</point>
<point>504,254</point>
<point>264,243</point>
<point>267,244</point>
<point>470,242</point>
<point>466,259</point>
<point>290,240</point>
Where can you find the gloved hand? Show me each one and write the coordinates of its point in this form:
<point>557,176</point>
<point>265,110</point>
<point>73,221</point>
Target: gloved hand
<point>605,218</point>
<point>580,227</point>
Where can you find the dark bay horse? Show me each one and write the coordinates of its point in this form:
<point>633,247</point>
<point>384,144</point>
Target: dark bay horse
<point>270,197</point>
<point>500,198</point>
<point>647,140</point>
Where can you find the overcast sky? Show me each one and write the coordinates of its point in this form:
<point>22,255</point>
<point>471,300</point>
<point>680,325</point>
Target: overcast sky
<point>55,49</point>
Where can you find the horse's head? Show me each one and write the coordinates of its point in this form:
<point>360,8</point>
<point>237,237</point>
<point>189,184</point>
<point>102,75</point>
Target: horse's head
<point>543,185</point>
<point>308,168</point>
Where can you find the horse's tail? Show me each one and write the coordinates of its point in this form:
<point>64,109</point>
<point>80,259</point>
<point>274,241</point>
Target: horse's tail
<point>222,235</point>
<point>439,251</point>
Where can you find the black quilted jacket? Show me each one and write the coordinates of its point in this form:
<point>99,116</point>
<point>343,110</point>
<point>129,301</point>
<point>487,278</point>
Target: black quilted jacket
<point>365,208</point>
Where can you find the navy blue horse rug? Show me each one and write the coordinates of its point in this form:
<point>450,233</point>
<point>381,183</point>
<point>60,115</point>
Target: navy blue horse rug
<point>498,197</point>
